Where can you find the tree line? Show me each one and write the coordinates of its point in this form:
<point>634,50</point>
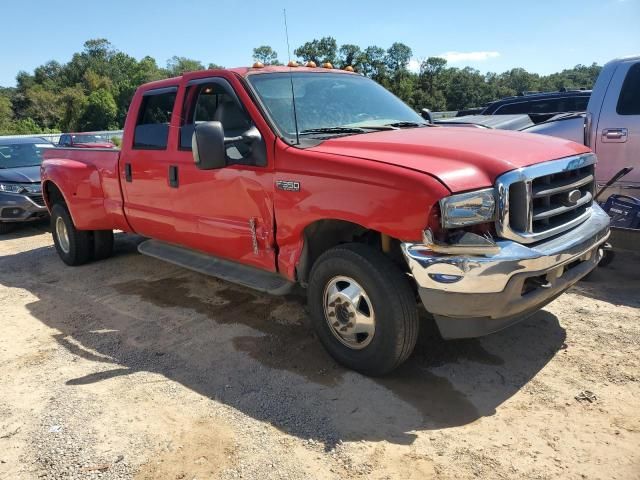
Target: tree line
<point>93,90</point>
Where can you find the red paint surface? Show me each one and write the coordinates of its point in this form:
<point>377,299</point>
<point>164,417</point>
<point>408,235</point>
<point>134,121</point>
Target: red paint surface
<point>386,181</point>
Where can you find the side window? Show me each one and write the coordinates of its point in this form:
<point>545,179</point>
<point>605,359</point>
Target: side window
<point>512,109</point>
<point>216,101</point>
<point>201,103</point>
<point>629,100</point>
<point>152,127</point>
<point>553,105</point>
<point>580,103</point>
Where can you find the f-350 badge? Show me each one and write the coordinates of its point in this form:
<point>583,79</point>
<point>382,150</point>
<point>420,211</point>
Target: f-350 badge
<point>288,185</point>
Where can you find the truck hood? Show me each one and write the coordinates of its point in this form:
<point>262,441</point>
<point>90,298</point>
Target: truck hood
<point>20,174</point>
<point>462,158</point>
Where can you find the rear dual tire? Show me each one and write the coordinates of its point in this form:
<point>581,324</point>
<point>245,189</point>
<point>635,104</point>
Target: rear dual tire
<point>77,247</point>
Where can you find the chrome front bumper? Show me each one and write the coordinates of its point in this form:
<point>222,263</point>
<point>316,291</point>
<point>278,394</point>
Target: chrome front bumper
<point>491,292</point>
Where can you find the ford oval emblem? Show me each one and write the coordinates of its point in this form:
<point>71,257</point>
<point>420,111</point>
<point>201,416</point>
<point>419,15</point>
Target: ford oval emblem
<point>573,196</point>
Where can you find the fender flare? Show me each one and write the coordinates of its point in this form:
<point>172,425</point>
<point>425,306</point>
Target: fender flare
<point>80,186</point>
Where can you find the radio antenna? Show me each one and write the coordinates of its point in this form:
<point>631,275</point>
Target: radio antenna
<point>293,94</point>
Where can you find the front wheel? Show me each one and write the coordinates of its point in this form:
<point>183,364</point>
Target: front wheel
<point>73,246</point>
<point>363,309</point>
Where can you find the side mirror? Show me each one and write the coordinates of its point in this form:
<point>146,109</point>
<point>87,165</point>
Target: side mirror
<point>207,144</point>
<point>426,114</point>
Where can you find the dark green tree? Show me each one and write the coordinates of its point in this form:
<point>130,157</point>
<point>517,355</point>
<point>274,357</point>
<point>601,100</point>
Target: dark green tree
<point>178,65</point>
<point>101,112</point>
<point>397,58</point>
<point>372,62</point>
<point>81,94</point>
<point>266,55</point>
<point>430,72</point>
<point>350,55</point>
<point>6,115</point>
<point>74,103</point>
<point>318,51</point>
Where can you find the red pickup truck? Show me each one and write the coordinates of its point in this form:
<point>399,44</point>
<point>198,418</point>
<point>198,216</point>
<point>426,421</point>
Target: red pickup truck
<point>275,176</point>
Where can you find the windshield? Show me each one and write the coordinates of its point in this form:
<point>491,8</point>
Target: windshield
<point>330,100</point>
<point>89,139</point>
<point>22,154</point>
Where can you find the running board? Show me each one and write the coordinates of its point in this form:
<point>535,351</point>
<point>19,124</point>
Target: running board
<point>251,277</point>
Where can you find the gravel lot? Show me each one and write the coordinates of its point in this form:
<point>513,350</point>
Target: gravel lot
<point>134,368</point>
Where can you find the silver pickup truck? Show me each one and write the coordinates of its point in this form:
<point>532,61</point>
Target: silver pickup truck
<point>610,126</point>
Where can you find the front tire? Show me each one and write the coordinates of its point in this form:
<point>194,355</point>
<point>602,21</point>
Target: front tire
<point>363,309</point>
<point>73,246</point>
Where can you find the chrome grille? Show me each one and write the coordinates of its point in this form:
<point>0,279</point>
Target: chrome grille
<point>546,199</point>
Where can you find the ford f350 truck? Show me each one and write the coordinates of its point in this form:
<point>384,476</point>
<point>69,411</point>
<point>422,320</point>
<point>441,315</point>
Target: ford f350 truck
<point>274,176</point>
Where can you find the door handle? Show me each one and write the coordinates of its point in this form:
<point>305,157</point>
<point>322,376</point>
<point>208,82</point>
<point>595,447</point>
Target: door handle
<point>127,172</point>
<point>614,135</point>
<point>173,176</point>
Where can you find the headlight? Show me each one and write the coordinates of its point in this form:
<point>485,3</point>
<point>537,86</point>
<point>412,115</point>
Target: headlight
<point>468,208</point>
<point>20,187</point>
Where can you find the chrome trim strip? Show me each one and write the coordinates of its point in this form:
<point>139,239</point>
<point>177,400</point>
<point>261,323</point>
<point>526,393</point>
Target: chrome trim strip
<point>529,202</point>
<point>469,244</point>
<point>550,213</point>
<point>528,174</point>
<point>563,188</point>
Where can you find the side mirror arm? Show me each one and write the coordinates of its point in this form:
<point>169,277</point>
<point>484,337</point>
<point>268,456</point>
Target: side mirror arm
<point>426,114</point>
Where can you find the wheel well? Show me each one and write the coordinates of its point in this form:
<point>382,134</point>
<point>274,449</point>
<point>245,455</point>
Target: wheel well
<point>53,194</point>
<point>322,235</point>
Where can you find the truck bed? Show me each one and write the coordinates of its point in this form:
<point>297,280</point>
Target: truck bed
<point>88,177</point>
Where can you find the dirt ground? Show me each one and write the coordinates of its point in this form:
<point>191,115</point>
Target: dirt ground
<point>134,368</point>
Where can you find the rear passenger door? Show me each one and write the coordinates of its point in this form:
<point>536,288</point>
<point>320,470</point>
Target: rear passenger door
<point>144,164</point>
<point>617,142</point>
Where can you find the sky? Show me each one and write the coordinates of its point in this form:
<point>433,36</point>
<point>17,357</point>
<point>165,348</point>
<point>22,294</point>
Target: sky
<point>490,35</point>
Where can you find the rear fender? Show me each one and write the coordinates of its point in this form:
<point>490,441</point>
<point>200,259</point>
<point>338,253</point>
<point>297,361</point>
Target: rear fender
<point>81,189</point>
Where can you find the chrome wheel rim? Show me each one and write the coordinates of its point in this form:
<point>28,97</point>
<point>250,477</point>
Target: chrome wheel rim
<point>349,312</point>
<point>62,234</point>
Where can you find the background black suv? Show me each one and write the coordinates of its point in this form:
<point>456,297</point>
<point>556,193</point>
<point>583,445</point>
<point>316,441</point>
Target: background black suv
<point>540,103</point>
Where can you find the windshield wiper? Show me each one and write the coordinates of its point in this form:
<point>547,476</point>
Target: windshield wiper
<point>338,130</point>
<point>405,124</point>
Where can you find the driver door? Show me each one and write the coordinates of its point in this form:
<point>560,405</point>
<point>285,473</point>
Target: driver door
<point>226,212</point>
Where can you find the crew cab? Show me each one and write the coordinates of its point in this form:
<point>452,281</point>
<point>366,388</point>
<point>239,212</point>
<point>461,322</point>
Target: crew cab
<point>275,176</point>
